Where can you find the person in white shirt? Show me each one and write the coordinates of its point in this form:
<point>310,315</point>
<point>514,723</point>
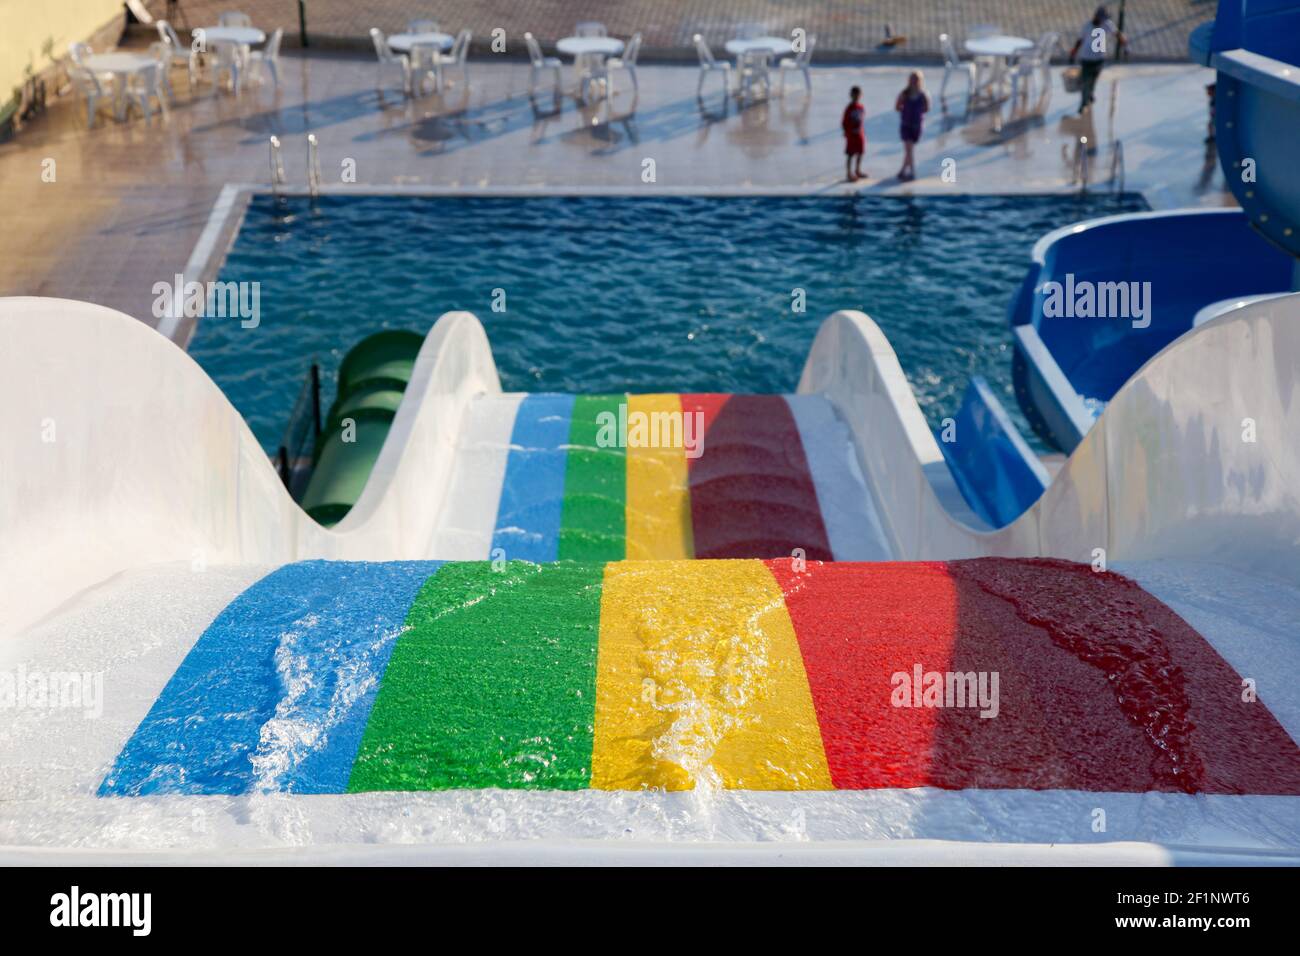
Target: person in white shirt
<point>1091,48</point>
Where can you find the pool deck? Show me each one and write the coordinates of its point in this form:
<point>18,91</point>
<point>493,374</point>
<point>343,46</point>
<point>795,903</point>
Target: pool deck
<point>129,201</point>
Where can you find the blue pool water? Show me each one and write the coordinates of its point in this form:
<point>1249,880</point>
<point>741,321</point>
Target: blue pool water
<point>606,294</point>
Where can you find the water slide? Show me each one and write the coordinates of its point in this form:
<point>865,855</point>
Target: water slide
<point>372,380</point>
<point>1070,361</point>
<point>522,631</point>
<point>1187,265</point>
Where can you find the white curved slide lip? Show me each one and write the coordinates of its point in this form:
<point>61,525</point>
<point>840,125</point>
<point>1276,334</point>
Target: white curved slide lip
<point>1038,254</point>
<point>1194,457</point>
<point>119,452</point>
<point>1224,306</point>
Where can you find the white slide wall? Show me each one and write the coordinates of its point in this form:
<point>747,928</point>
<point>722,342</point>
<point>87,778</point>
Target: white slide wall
<point>117,452</point>
<point>1169,470</point>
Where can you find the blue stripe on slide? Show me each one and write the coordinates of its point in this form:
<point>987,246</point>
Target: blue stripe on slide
<point>275,694</point>
<point>532,495</point>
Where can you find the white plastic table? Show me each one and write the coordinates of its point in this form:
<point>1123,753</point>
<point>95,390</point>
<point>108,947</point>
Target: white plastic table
<point>587,52</point>
<point>590,46</point>
<point>772,46</point>
<point>245,36</point>
<point>402,42</point>
<point>1000,49</point>
<point>241,38</point>
<point>997,46</point>
<point>753,48</point>
<point>121,65</point>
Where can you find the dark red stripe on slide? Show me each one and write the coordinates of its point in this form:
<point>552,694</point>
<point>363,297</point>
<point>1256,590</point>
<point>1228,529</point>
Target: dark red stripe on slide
<point>1100,686</point>
<point>751,492</point>
<point>1164,676</point>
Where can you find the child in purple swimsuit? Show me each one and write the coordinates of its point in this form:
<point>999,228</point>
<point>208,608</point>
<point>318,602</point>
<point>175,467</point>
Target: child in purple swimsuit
<point>913,103</point>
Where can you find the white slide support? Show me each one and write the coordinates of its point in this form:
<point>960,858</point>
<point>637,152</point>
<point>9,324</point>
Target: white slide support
<point>1195,457</point>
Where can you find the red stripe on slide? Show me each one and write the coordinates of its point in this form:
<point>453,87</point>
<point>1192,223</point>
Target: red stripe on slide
<point>856,624</point>
<point>708,404</point>
<point>751,492</point>
<point>1067,646</point>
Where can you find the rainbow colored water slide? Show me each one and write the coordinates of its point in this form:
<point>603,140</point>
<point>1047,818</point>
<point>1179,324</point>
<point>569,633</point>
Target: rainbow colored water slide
<point>608,477</point>
<point>333,677</point>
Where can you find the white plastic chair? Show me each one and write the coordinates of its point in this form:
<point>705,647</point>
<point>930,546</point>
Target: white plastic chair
<point>1038,62</point>
<point>162,52</point>
<point>539,64</point>
<point>233,18</point>
<point>800,62</point>
<point>709,65</point>
<point>232,58</point>
<point>143,87</point>
<point>390,60</point>
<point>78,52</point>
<point>426,63</point>
<point>952,63</point>
<point>267,58</point>
<point>754,69</point>
<point>986,67</point>
<point>625,62</point>
<point>89,86</point>
<point>589,67</point>
<point>457,59</point>
<point>178,52</point>
<point>423,26</point>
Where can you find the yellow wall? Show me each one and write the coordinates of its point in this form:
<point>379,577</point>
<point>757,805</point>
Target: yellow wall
<point>26,26</point>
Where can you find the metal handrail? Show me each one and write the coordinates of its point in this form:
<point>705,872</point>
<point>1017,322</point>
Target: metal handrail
<point>313,164</point>
<point>277,165</point>
<point>1081,169</point>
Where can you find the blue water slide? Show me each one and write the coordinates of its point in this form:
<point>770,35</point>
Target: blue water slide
<point>1199,263</point>
<point>1254,45</point>
<point>1149,274</point>
<point>995,470</point>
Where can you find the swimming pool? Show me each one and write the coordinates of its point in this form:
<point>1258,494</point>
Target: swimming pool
<point>602,294</point>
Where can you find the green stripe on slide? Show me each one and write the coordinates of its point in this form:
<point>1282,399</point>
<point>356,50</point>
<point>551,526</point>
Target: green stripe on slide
<point>492,685</point>
<point>594,523</point>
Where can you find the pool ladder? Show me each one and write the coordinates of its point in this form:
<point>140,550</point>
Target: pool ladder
<point>313,165</point>
<point>1083,162</point>
<point>1083,165</point>
<point>277,165</point>
<point>1117,166</point>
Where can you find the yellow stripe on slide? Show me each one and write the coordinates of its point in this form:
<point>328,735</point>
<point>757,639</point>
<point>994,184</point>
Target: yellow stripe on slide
<point>699,682</point>
<point>658,487</point>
